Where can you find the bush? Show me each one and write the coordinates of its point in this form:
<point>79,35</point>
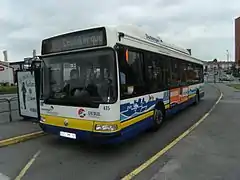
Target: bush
<point>236,75</point>
<point>8,89</point>
<point>236,86</point>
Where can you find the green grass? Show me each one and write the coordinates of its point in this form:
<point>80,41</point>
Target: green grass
<point>8,89</point>
<point>236,86</point>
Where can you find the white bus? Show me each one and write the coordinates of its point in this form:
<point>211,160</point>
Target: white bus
<point>108,84</point>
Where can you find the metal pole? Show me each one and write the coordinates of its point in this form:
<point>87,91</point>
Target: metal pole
<point>9,79</point>
<point>10,110</point>
<point>214,74</point>
<point>227,59</point>
<point>5,54</point>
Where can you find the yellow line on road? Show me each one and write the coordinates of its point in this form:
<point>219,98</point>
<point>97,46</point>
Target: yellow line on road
<point>169,146</point>
<point>25,137</point>
<point>28,165</point>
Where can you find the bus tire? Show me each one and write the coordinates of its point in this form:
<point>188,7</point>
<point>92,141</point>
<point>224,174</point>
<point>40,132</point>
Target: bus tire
<point>197,98</point>
<point>158,118</point>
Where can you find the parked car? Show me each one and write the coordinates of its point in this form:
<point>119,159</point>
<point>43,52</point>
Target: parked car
<point>226,78</point>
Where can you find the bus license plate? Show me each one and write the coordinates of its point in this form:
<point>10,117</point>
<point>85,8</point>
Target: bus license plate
<point>68,135</point>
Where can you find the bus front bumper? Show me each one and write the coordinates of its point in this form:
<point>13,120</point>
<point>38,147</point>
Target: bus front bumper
<point>76,134</point>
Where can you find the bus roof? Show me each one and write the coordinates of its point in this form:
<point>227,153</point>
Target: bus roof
<point>139,33</point>
<point>136,32</point>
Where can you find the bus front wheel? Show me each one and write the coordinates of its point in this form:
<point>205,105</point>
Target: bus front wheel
<point>158,118</point>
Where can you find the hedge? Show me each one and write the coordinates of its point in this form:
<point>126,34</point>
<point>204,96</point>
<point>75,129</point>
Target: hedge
<point>8,89</point>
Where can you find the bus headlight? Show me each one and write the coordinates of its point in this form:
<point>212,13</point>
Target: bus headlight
<point>106,127</point>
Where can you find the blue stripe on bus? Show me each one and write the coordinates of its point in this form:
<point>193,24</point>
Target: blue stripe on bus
<point>136,108</point>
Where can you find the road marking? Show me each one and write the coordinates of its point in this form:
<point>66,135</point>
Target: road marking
<point>4,177</point>
<point>25,137</point>
<point>169,146</point>
<point>28,165</point>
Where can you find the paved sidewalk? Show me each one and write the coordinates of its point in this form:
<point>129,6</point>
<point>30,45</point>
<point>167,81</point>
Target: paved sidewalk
<point>210,152</point>
<point>17,128</point>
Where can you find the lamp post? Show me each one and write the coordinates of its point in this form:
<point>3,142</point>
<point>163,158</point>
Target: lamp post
<point>227,59</point>
<point>5,54</point>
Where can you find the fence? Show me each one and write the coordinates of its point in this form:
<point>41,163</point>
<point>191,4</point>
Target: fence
<point>9,109</point>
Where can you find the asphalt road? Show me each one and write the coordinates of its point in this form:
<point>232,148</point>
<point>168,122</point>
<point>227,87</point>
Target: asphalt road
<point>210,152</point>
<point>64,159</point>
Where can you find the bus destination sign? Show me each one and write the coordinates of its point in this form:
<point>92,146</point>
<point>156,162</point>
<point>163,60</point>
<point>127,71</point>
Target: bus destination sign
<point>75,40</point>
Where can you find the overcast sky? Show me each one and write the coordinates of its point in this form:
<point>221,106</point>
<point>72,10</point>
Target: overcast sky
<point>206,26</point>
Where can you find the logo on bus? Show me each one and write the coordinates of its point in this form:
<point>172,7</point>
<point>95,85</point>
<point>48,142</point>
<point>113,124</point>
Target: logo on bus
<point>65,122</point>
<point>81,113</point>
<point>1,68</point>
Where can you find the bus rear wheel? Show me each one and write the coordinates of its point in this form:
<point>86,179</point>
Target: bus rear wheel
<point>158,118</point>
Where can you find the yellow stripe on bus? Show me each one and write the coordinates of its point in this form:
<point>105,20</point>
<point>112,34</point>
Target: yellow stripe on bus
<point>192,95</point>
<point>167,106</point>
<point>88,125</point>
<point>136,119</point>
<point>79,124</point>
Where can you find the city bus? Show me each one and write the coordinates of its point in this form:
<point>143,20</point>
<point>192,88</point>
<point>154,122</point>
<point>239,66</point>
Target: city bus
<point>107,84</point>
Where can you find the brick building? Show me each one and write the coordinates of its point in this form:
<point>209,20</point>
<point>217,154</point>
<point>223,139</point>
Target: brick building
<point>237,41</point>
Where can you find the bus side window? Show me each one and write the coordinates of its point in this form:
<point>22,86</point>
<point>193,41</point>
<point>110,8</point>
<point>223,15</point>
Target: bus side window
<point>157,71</point>
<point>183,73</point>
<point>175,73</point>
<point>152,73</point>
<point>131,73</point>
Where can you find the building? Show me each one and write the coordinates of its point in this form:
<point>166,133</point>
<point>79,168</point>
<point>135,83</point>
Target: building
<point>17,65</point>
<point>6,73</point>
<point>237,41</point>
<point>224,65</point>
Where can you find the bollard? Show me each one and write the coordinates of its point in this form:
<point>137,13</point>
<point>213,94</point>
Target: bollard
<point>8,100</point>
<point>10,107</point>
<point>10,110</point>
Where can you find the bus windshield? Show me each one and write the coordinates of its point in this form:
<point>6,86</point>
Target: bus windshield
<point>85,78</point>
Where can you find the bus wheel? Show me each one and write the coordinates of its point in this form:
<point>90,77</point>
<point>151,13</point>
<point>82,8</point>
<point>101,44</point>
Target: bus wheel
<point>158,118</point>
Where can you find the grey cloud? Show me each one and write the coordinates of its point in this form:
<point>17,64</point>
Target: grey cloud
<point>21,49</point>
<point>205,48</point>
<point>9,26</point>
<point>27,22</point>
<point>213,17</point>
<point>169,3</point>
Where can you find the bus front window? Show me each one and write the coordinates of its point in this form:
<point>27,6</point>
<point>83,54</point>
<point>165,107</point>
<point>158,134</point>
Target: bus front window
<point>80,79</point>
